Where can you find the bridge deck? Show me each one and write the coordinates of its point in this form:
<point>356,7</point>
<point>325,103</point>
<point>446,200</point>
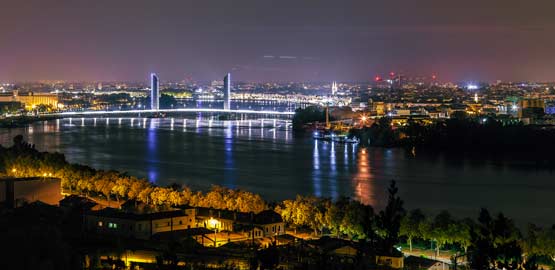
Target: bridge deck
<point>192,110</point>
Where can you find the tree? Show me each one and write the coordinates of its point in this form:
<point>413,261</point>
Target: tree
<point>495,244</point>
<point>389,219</point>
<point>480,250</point>
<point>540,241</point>
<point>167,101</point>
<point>410,226</point>
<point>307,115</point>
<point>442,231</point>
<point>461,233</point>
<point>356,219</point>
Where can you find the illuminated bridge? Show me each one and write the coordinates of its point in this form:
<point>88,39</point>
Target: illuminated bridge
<point>182,110</point>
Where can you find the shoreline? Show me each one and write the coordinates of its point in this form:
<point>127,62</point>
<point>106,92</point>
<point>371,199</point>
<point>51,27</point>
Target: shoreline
<point>22,121</point>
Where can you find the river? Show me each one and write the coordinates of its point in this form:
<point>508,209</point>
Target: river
<point>267,157</point>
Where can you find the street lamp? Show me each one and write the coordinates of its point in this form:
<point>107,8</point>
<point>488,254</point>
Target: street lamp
<point>214,224</point>
<point>363,120</point>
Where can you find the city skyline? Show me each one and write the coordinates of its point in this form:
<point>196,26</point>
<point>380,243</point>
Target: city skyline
<point>285,41</point>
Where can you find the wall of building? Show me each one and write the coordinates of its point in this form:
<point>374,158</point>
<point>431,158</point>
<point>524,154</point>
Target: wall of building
<point>47,190</point>
<point>140,229</point>
<point>273,229</point>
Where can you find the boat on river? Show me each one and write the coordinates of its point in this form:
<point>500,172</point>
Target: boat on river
<point>330,136</point>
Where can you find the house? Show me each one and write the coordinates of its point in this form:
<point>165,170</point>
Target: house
<point>334,246</point>
<point>395,260</point>
<point>420,263</point>
<point>232,226</point>
<point>138,225</point>
<point>270,223</point>
<point>221,220</point>
<point>267,223</point>
<point>345,251</point>
<point>78,202</point>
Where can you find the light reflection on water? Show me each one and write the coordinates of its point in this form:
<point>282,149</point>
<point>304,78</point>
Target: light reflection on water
<point>362,181</point>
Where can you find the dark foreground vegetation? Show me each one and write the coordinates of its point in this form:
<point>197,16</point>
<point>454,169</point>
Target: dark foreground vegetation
<point>44,237</point>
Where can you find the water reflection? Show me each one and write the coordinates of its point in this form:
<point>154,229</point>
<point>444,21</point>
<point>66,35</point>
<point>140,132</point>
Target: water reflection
<point>316,177</point>
<point>333,172</point>
<point>152,151</point>
<point>229,167</point>
<point>363,179</point>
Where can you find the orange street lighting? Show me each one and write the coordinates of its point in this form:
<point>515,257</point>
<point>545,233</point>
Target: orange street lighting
<point>213,223</point>
<point>363,118</point>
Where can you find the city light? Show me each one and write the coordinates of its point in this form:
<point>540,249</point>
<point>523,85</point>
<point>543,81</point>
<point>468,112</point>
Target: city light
<point>364,118</point>
<point>471,86</point>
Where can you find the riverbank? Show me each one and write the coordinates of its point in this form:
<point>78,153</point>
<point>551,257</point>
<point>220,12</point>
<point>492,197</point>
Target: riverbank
<point>23,121</point>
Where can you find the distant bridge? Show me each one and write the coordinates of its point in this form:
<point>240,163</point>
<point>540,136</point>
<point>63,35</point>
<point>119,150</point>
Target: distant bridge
<point>184,110</point>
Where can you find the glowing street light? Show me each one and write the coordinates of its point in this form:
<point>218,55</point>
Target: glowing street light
<point>213,224</point>
<point>364,118</point>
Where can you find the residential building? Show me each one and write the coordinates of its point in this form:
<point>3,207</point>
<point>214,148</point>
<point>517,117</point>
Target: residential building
<point>138,225</point>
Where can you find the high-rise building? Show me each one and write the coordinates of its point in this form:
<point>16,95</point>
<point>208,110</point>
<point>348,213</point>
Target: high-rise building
<point>227,92</point>
<point>154,92</point>
<point>530,107</point>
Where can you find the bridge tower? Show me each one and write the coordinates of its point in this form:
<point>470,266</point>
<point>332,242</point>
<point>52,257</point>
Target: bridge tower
<point>154,92</point>
<point>227,92</point>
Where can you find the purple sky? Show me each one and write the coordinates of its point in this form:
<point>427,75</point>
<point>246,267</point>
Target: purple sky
<point>318,40</point>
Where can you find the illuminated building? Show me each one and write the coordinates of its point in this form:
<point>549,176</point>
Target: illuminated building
<point>379,107</point>
<point>227,91</point>
<point>267,223</point>
<point>333,88</point>
<point>530,108</point>
<point>31,100</point>
<point>154,92</point>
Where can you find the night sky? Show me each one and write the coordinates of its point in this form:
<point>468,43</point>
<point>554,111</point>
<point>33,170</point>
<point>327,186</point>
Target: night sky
<point>287,40</point>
